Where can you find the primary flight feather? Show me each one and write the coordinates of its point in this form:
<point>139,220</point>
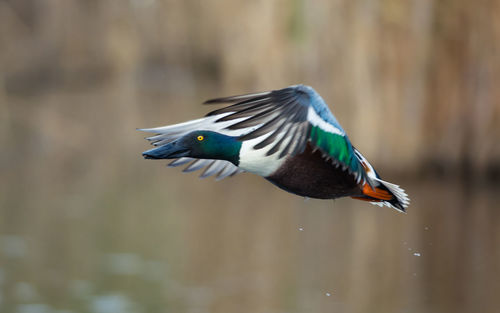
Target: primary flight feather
<point>288,136</point>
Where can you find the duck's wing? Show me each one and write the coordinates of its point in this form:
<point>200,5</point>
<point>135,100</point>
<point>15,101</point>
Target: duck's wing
<point>286,120</point>
<point>220,168</point>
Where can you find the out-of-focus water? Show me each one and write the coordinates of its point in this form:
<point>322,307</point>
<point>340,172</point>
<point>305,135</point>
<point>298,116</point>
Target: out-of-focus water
<point>87,225</point>
<point>191,245</point>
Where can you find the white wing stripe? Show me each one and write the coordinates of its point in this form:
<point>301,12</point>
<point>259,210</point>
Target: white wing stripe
<point>316,120</point>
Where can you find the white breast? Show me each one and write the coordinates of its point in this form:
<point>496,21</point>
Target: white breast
<point>256,161</point>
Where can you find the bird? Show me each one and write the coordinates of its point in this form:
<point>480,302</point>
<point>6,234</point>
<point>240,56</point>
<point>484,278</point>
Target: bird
<point>288,136</point>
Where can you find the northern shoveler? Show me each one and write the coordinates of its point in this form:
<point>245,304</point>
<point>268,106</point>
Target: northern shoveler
<point>288,136</point>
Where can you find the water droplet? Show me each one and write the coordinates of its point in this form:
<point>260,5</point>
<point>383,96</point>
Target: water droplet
<point>328,294</point>
<point>416,254</point>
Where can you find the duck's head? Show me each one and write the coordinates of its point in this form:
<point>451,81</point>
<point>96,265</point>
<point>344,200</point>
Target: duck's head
<point>201,144</point>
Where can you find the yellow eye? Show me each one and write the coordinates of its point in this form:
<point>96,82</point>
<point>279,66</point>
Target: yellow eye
<point>200,138</point>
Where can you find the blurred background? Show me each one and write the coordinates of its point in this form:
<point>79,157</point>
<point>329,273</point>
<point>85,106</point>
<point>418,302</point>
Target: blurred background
<point>87,225</point>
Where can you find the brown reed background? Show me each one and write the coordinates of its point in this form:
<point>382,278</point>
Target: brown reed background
<point>86,225</point>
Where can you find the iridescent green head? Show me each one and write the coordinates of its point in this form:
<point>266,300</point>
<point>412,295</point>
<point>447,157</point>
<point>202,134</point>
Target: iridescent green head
<point>202,144</point>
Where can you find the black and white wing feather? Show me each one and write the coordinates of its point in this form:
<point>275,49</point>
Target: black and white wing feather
<point>277,116</point>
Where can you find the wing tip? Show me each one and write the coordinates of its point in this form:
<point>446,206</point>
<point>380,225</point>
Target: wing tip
<point>215,100</point>
<point>237,98</point>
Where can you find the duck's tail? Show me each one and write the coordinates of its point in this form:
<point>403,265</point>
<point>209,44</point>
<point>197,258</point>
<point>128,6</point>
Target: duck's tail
<point>385,193</point>
<point>378,191</point>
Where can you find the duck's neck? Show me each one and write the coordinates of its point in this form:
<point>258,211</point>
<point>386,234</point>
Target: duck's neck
<point>225,148</point>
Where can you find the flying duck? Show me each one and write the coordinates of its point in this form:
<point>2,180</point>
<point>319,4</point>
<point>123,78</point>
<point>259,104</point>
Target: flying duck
<point>288,136</point>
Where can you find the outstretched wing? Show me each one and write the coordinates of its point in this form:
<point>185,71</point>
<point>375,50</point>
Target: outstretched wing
<point>286,120</point>
<point>220,168</point>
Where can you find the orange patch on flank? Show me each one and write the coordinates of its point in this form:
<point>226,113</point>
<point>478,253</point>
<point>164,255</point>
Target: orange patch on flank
<point>376,193</point>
